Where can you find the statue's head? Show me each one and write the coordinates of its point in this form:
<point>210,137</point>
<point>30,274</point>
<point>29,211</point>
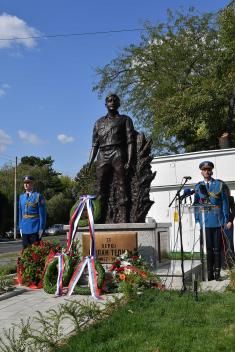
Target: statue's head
<point>112,101</point>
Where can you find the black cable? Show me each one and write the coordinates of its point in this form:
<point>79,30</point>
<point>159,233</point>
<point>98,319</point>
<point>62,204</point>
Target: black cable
<point>75,34</point>
<point>81,34</point>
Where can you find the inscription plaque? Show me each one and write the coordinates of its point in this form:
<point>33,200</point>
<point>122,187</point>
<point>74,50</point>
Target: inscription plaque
<point>110,245</point>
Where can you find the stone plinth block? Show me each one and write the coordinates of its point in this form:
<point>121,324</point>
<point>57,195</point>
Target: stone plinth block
<point>153,242</point>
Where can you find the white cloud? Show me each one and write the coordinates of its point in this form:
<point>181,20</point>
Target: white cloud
<point>2,92</point>
<point>62,138</point>
<point>14,27</point>
<point>28,137</point>
<point>5,139</point>
<point>3,89</point>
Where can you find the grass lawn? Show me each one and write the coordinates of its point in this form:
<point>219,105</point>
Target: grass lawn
<point>187,255</point>
<point>11,255</point>
<point>163,322</point>
<point>8,263</point>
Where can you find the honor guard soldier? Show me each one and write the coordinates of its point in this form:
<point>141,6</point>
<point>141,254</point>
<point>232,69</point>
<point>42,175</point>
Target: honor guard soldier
<point>32,213</point>
<point>211,195</point>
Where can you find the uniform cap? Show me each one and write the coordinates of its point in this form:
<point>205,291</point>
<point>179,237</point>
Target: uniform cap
<point>206,165</point>
<point>28,179</point>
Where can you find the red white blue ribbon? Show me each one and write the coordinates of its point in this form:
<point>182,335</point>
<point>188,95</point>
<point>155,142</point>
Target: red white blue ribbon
<point>84,200</point>
<point>59,284</point>
<point>88,261</point>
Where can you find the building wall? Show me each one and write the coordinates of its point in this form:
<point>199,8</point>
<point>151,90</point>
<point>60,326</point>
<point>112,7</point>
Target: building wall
<point>170,171</point>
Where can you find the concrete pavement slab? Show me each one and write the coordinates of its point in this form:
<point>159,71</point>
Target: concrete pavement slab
<point>25,306</point>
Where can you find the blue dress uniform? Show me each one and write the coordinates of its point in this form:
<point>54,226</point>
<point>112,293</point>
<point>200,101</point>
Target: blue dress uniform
<point>32,215</point>
<point>216,217</point>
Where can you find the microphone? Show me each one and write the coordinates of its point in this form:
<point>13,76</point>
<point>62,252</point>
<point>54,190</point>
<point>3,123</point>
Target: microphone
<point>187,193</point>
<point>187,177</point>
<point>203,190</point>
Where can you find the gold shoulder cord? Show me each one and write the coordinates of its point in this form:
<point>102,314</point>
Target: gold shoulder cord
<point>33,204</point>
<point>216,195</point>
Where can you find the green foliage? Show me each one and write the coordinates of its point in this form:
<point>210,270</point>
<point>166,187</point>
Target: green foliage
<point>12,342</point>
<point>178,80</point>
<point>163,321</point>
<point>5,210</point>
<point>186,255</point>
<point>6,282</point>
<point>232,279</point>
<point>100,280</point>
<point>84,216</point>
<point>85,181</point>
<point>58,209</point>
<point>81,313</point>
<point>127,288</point>
<point>70,262</point>
<point>35,161</point>
<point>57,189</point>
<point>131,275</point>
<point>50,328</point>
<point>31,262</point>
<point>8,268</point>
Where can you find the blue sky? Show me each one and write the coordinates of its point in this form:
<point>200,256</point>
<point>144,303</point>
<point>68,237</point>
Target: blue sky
<point>47,106</point>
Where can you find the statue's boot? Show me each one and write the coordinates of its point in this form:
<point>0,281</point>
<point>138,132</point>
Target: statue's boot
<point>211,276</point>
<point>217,274</point>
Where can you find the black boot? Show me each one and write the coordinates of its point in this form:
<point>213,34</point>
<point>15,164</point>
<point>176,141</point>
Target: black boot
<point>217,275</point>
<point>211,276</point>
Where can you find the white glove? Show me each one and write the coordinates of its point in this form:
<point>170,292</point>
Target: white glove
<point>21,233</point>
<point>40,234</point>
<point>198,226</point>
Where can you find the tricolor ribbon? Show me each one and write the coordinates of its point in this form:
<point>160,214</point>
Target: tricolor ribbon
<point>88,261</point>
<point>84,200</point>
<point>59,284</point>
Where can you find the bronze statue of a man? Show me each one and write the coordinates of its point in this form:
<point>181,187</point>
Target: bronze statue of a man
<point>113,141</point>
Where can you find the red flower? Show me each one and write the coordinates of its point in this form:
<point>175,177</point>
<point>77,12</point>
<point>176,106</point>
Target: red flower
<point>120,269</point>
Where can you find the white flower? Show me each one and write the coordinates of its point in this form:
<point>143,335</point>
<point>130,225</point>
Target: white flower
<point>124,263</point>
<point>127,271</point>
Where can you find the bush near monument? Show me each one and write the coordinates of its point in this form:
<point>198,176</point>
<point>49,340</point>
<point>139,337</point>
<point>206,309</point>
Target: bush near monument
<point>84,218</point>
<point>31,262</point>
<point>131,274</point>
<point>51,271</point>
<point>37,267</point>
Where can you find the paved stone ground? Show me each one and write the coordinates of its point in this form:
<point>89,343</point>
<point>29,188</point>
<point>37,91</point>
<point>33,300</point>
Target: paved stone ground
<point>171,276</point>
<point>218,286</point>
<point>26,305</point>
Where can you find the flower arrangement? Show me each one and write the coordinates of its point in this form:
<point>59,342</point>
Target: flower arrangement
<point>31,262</point>
<point>131,273</point>
<point>71,259</point>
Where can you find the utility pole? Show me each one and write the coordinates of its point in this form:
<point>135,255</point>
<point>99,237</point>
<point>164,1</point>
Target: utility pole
<point>15,199</point>
<point>231,106</point>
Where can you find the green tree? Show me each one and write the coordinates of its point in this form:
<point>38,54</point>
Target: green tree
<point>5,211</point>
<point>178,80</point>
<point>47,179</point>
<point>85,181</point>
<point>48,182</point>
<point>58,209</point>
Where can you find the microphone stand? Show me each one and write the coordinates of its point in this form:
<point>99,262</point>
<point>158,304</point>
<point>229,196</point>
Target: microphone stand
<point>177,197</point>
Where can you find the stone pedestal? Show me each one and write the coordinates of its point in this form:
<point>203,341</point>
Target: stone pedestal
<point>153,240</point>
